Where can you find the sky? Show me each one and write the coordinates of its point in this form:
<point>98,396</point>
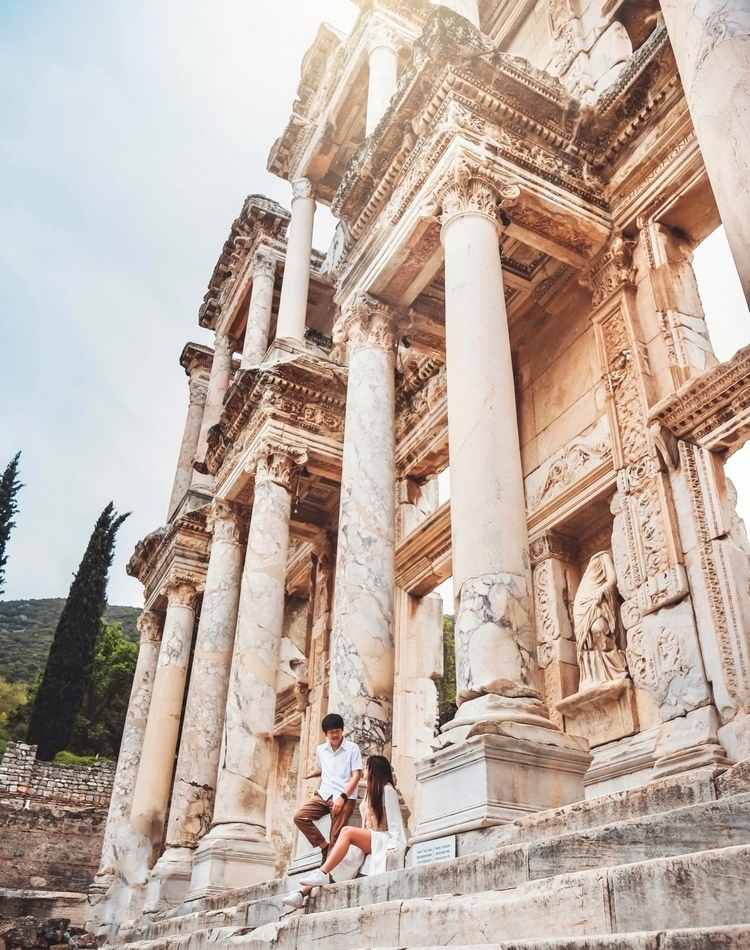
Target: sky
<point>131,131</point>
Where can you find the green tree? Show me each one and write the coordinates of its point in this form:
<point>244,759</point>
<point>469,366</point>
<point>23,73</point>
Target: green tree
<point>446,685</point>
<point>71,657</point>
<point>13,696</point>
<point>99,724</point>
<point>9,488</point>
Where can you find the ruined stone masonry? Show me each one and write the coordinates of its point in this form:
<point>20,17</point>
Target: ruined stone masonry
<point>519,187</point>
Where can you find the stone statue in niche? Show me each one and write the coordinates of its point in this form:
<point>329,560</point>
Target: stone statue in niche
<point>596,624</point>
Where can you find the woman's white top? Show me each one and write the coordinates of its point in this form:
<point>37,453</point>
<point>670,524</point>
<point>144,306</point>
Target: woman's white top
<point>391,838</point>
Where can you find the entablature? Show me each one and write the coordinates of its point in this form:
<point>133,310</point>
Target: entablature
<point>174,554</point>
<point>712,410</point>
<point>300,400</point>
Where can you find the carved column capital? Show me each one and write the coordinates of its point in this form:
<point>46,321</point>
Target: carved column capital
<point>471,187</point>
<point>264,265</point>
<point>366,322</point>
<point>280,464</point>
<point>611,270</point>
<point>227,520</point>
<point>552,544</point>
<point>181,591</point>
<point>302,188</point>
<point>198,387</point>
<point>150,624</point>
<point>381,34</point>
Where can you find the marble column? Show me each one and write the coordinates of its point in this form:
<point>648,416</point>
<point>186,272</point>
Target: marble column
<point>711,43</point>
<point>236,852</point>
<point>383,74</point>
<point>295,285</point>
<point>466,8</point>
<point>191,807</point>
<point>259,314</point>
<point>152,786</point>
<point>362,662</point>
<point>190,436</point>
<point>501,755</point>
<point>117,827</point>
<point>218,383</point>
<point>495,638</point>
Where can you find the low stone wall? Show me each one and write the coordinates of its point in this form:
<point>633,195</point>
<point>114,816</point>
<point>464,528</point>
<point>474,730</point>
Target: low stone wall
<point>21,775</point>
<point>52,820</point>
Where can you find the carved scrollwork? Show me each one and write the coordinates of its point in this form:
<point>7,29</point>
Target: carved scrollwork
<point>302,188</point>
<point>227,520</point>
<point>150,625</point>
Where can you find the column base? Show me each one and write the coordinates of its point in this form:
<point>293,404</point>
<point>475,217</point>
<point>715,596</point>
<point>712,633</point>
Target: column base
<point>690,742</point>
<point>97,903</point>
<point>169,881</point>
<point>492,779</point>
<point>230,856</point>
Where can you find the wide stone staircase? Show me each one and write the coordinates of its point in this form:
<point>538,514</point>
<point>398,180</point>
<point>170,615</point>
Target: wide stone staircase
<point>665,867</point>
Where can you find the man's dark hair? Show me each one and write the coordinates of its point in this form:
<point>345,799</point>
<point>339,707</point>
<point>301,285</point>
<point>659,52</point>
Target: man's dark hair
<point>332,721</point>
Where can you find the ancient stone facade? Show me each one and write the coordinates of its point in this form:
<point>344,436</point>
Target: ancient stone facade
<point>519,187</point>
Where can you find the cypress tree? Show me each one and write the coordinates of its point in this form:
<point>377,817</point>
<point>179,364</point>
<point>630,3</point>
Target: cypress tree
<point>71,657</point>
<point>9,488</point>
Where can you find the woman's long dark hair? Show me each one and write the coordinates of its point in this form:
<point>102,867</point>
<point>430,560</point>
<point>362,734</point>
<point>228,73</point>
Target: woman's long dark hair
<point>379,774</point>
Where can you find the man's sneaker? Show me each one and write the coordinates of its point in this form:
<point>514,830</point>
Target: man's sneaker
<point>295,899</point>
<point>315,879</point>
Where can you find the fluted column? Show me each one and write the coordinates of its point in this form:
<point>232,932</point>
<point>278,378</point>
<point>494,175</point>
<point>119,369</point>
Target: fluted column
<point>383,74</point>
<point>466,8</point>
<point>218,383</point>
<point>117,827</point>
<point>193,790</point>
<point>236,851</point>
<point>294,288</point>
<point>494,632</point>
<point>711,43</point>
<point>259,314</point>
<point>151,793</point>
<point>362,635</point>
<point>198,388</point>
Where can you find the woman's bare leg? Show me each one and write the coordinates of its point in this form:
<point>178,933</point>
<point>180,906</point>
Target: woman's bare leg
<point>360,837</point>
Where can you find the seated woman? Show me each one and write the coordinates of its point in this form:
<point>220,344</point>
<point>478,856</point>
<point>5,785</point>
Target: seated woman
<point>382,831</point>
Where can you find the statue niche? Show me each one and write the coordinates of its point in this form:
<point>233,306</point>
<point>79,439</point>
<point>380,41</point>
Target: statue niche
<point>597,626</point>
<point>603,709</point>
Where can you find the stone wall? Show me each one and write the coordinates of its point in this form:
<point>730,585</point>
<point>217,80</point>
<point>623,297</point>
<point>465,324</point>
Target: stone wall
<point>52,821</point>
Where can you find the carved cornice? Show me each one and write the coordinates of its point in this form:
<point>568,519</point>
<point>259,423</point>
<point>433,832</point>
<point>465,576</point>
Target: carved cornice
<point>552,544</point>
<point>713,409</point>
<point>280,464</point>
<point>308,394</point>
<point>260,216</point>
<point>365,322</point>
<point>196,357</point>
<point>174,554</point>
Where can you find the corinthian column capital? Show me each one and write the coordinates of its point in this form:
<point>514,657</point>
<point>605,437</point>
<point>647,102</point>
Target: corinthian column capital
<point>280,464</point>
<point>150,624</point>
<point>366,322</point>
<point>382,34</point>
<point>227,520</point>
<point>302,188</point>
<point>263,265</point>
<point>198,387</point>
<point>470,187</point>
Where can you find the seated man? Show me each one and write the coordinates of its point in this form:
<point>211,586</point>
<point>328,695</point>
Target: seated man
<point>339,765</point>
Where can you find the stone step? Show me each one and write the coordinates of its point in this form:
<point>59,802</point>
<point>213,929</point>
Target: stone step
<point>705,890</point>
<point>694,828</point>
<point>715,938</point>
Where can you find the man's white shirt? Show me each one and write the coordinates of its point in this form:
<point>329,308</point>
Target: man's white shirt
<point>336,767</point>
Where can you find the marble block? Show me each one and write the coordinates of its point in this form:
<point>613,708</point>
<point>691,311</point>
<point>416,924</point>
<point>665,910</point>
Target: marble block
<point>603,713</point>
<point>228,858</point>
<point>492,779</point>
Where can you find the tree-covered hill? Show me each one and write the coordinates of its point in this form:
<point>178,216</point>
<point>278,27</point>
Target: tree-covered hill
<point>27,627</point>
